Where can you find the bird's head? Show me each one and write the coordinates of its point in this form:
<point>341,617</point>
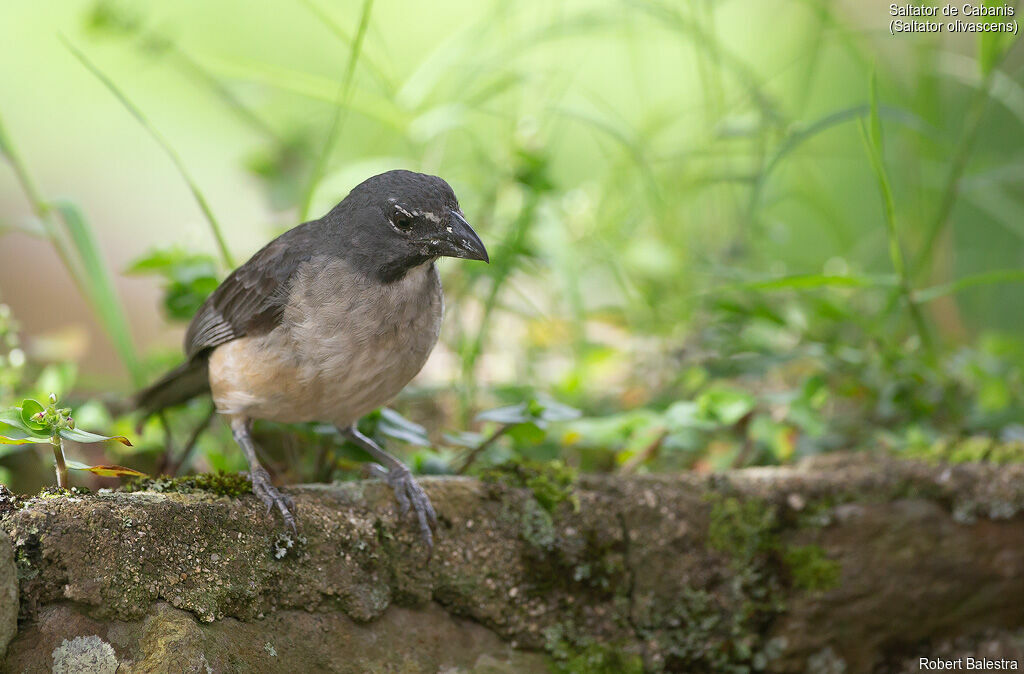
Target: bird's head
<point>401,219</point>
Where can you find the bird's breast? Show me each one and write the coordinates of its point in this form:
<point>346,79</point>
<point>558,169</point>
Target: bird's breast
<point>346,343</point>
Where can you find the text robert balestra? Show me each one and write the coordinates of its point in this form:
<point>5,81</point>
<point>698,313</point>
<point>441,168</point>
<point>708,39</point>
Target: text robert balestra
<point>966,663</point>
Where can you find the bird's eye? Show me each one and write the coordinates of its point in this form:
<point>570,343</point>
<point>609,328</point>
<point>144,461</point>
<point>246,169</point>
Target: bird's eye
<point>402,220</point>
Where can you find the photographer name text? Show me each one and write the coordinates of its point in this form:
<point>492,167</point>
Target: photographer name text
<point>966,663</point>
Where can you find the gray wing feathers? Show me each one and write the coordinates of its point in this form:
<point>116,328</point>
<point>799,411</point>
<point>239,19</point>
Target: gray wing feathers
<point>252,299</point>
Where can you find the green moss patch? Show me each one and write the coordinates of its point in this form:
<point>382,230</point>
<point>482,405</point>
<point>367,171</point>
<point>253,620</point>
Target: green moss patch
<point>742,529</point>
<point>973,449</point>
<point>810,569</point>
<point>552,482</point>
<point>572,654</point>
<point>220,483</point>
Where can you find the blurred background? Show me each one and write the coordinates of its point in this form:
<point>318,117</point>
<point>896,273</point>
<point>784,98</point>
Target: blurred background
<point>722,233</point>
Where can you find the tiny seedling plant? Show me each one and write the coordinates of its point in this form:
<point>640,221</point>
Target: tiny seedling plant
<point>32,423</point>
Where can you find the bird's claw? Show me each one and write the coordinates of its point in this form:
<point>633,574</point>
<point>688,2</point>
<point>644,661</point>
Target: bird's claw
<point>271,497</point>
<point>410,495</point>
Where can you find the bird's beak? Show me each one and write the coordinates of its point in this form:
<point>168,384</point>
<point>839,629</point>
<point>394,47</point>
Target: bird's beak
<point>461,241</point>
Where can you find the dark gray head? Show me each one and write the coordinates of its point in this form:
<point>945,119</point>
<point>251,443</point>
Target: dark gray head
<point>397,220</point>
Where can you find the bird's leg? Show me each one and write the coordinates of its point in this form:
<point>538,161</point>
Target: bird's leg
<point>407,491</point>
<point>241,428</point>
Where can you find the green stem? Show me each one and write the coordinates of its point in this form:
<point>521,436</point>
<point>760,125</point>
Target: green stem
<point>111,317</point>
<point>176,159</point>
<point>506,261</point>
<point>951,190</point>
<point>340,112</point>
<point>476,451</point>
<point>39,205</point>
<point>905,288</point>
<point>58,458</point>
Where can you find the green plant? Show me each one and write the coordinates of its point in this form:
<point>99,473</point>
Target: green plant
<point>688,261</point>
<point>189,278</point>
<point>179,164</point>
<point>32,423</point>
<point>65,226</point>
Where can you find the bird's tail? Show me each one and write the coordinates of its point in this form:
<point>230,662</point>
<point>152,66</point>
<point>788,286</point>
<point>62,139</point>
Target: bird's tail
<point>183,383</point>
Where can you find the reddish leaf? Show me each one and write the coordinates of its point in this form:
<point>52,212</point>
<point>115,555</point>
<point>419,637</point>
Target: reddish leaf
<point>105,471</point>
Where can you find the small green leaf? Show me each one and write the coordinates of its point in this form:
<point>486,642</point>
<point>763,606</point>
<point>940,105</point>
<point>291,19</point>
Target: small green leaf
<point>30,408</point>
<point>510,414</point>
<point>12,417</point>
<point>555,411</point>
<point>79,435</point>
<point>189,278</point>
<point>467,439</point>
<point>530,433</point>
<point>687,415</point>
<point>537,411</point>
<point>394,425</point>
<point>725,405</point>
<point>105,470</point>
<point>12,435</point>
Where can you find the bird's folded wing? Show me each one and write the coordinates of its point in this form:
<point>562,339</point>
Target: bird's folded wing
<point>251,300</point>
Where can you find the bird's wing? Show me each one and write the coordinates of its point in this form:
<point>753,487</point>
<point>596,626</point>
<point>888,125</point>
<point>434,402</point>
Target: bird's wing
<point>252,298</point>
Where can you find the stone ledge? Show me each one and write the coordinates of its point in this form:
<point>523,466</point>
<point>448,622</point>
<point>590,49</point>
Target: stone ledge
<point>850,556</point>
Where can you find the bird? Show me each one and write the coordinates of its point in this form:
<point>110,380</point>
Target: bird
<point>326,323</point>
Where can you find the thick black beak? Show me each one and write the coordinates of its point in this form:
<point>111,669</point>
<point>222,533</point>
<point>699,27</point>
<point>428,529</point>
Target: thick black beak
<point>461,240</point>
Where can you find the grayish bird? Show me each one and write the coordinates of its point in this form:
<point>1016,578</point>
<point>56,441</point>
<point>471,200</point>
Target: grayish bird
<point>328,322</point>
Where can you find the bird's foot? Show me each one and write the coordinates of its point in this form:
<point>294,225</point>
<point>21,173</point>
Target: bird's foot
<point>409,494</point>
<point>271,496</point>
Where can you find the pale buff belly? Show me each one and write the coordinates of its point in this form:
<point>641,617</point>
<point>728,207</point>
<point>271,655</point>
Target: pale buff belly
<point>330,361</point>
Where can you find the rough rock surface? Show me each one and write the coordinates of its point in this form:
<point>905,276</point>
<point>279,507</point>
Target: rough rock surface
<point>8,594</point>
<point>847,563</point>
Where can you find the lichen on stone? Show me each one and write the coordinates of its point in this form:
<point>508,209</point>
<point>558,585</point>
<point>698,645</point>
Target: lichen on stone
<point>9,501</point>
<point>285,543</point>
<point>84,654</point>
<point>61,492</point>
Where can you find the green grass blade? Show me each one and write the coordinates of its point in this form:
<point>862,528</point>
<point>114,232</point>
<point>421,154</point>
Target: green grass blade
<point>986,278</point>
<point>368,104</point>
<point>334,27</point>
<point>77,248</point>
<point>966,70</point>
<point>871,132</point>
<point>204,205</point>
<point>957,166</point>
<point>812,281</point>
<point>709,44</point>
<point>100,285</point>
<point>340,111</point>
<point>876,153</point>
<point>830,121</point>
<point>993,46</point>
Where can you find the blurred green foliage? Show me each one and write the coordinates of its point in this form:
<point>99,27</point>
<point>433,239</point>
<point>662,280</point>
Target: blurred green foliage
<point>188,279</point>
<point>712,245</point>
